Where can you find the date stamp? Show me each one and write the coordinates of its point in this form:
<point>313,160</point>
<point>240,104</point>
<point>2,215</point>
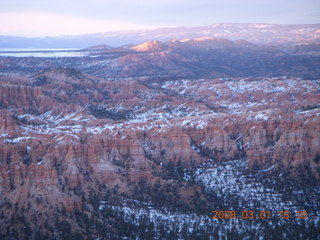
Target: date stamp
<point>259,214</point>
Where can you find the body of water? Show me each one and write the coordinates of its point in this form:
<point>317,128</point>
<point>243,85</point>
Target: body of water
<point>41,52</point>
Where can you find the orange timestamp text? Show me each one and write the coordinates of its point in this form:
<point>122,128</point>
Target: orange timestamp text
<point>250,214</point>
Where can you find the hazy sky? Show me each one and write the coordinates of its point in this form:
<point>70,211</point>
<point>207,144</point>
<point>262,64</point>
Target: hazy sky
<point>64,17</point>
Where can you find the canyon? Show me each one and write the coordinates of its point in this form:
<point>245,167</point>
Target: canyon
<point>92,142</point>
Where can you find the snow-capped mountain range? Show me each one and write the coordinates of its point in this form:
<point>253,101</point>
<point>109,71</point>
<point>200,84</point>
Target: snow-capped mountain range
<point>149,140</point>
<point>255,33</point>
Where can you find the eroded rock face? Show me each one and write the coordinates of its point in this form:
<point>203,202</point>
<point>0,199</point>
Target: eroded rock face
<point>59,152</point>
<point>19,96</point>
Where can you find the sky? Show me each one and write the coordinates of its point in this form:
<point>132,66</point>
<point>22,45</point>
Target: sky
<point>38,18</point>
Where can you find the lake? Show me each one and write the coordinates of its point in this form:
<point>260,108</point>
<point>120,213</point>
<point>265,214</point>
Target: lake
<point>41,52</point>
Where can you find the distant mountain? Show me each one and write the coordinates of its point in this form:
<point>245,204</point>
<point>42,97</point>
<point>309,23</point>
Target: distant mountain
<point>200,137</point>
<point>255,33</point>
<point>203,57</point>
<point>101,47</point>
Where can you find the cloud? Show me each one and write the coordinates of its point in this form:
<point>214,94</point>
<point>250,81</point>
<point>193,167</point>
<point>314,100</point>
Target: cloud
<point>42,24</point>
<point>60,17</point>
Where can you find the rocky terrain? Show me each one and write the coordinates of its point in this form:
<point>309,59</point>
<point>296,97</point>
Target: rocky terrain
<point>146,141</point>
<point>203,57</point>
<point>80,154</point>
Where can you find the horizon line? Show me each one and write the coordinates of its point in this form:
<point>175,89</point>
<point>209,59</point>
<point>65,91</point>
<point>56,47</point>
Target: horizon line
<point>158,28</point>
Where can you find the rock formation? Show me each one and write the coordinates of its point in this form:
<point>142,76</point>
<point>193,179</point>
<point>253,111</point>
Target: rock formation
<point>68,138</point>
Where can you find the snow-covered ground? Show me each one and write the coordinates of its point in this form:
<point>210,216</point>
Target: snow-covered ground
<point>239,191</point>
